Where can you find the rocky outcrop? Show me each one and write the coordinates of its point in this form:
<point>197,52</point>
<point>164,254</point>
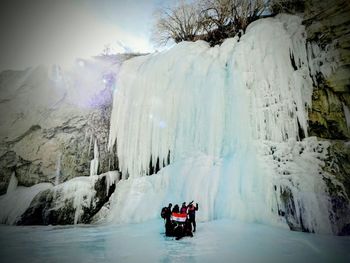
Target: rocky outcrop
<point>337,179</point>
<point>53,117</point>
<point>327,25</point>
<point>335,173</point>
<point>327,118</point>
<point>76,201</point>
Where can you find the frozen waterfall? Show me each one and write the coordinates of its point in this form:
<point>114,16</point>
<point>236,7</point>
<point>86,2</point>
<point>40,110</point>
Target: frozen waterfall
<point>12,184</point>
<point>94,162</point>
<point>232,118</point>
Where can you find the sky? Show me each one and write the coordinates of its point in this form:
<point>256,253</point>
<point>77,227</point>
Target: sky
<point>58,31</point>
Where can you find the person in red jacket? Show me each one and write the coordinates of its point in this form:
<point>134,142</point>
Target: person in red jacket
<point>192,214</point>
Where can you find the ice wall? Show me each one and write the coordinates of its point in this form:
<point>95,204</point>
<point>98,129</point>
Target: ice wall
<point>219,111</point>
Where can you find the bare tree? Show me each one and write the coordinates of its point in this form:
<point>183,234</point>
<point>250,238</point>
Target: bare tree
<point>247,11</point>
<point>236,14</point>
<point>287,6</point>
<point>210,20</point>
<point>180,22</point>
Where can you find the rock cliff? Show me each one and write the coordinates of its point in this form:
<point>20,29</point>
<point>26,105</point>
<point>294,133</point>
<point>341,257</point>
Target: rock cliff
<point>327,24</point>
<point>51,118</point>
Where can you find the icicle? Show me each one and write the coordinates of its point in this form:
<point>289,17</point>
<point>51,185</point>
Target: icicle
<point>111,178</point>
<point>347,115</point>
<point>94,162</point>
<point>58,169</point>
<point>96,154</point>
<point>222,96</point>
<point>12,184</point>
<point>90,144</point>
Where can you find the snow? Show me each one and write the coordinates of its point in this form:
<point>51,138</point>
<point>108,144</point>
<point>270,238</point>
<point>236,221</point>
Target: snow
<point>15,203</point>
<point>298,166</point>
<point>323,60</point>
<point>215,241</point>
<point>80,190</point>
<point>232,118</point>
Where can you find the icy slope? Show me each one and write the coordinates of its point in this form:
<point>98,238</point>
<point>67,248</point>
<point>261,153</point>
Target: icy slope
<point>230,117</point>
<point>217,241</point>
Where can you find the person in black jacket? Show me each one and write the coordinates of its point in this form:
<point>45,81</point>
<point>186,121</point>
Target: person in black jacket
<point>176,209</point>
<point>166,214</point>
<point>192,214</point>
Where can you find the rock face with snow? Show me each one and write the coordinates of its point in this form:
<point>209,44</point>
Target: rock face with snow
<point>54,116</point>
<point>327,27</point>
<point>15,202</point>
<point>254,129</point>
<point>75,201</point>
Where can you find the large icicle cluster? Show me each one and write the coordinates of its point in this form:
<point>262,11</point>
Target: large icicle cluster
<point>196,98</point>
<point>216,110</point>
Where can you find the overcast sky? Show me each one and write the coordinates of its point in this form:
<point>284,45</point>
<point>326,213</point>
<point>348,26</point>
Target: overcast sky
<point>57,31</point>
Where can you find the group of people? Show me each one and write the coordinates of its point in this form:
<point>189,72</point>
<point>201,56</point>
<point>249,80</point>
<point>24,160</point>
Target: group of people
<point>179,221</point>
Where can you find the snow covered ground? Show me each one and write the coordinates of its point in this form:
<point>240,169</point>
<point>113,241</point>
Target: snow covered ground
<point>214,241</point>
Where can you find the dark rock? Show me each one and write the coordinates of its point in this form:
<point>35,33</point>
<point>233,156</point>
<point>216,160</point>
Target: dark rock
<point>327,24</point>
<point>288,210</point>
<point>337,166</point>
<point>345,231</point>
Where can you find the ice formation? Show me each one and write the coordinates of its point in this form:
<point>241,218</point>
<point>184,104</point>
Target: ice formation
<point>80,190</point>
<point>58,170</point>
<point>213,100</point>
<point>12,184</point>
<point>94,162</point>
<point>347,115</point>
<point>15,203</point>
<point>230,119</point>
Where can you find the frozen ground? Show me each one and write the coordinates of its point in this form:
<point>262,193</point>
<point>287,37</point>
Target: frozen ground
<point>215,241</point>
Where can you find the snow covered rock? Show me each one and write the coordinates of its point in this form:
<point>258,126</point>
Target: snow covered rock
<point>327,27</point>
<point>14,203</point>
<point>327,24</point>
<point>337,166</point>
<point>75,201</point>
